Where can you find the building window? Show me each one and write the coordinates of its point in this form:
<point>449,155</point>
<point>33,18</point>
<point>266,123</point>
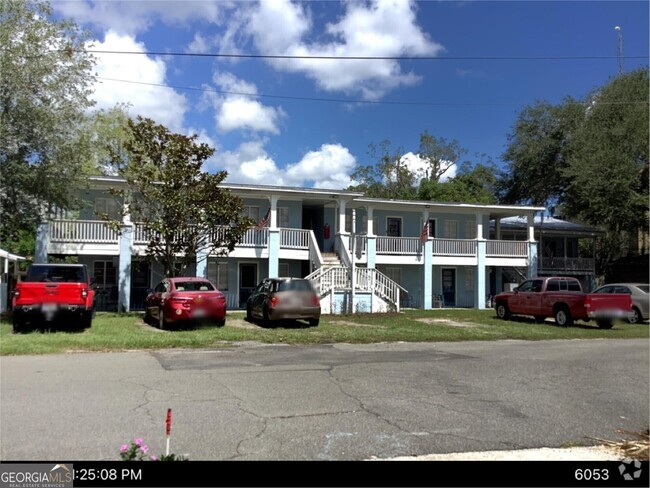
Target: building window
<point>107,206</point>
<point>394,226</point>
<point>451,229</point>
<point>283,217</point>
<point>470,275</point>
<point>284,270</point>
<point>218,274</point>
<point>104,273</point>
<point>252,212</point>
<point>470,230</point>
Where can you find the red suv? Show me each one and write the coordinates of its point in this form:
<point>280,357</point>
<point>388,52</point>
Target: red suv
<point>184,299</point>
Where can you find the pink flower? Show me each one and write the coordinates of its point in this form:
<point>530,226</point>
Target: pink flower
<point>138,441</point>
<point>124,448</point>
<point>154,458</point>
<point>145,449</point>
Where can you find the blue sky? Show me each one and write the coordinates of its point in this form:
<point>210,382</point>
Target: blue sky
<point>296,142</point>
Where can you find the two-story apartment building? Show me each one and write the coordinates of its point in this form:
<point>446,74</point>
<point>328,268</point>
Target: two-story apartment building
<point>310,233</point>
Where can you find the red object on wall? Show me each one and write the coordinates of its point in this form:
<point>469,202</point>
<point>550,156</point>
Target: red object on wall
<point>326,231</point>
<point>168,422</point>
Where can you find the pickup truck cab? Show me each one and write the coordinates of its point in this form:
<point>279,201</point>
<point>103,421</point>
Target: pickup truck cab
<point>562,298</point>
<point>53,291</point>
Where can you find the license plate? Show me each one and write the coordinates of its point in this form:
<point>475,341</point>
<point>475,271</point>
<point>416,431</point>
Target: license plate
<point>198,313</point>
<point>49,307</point>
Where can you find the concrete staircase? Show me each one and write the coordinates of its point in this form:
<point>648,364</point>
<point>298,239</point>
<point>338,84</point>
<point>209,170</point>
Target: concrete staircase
<point>331,260</point>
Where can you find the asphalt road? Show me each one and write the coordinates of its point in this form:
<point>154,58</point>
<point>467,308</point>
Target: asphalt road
<point>324,402</point>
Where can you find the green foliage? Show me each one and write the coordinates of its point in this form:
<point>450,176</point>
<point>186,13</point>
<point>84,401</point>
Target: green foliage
<point>44,93</point>
<point>183,209</point>
<point>472,184</point>
<point>439,154</point>
<point>591,158</point>
<point>388,177</point>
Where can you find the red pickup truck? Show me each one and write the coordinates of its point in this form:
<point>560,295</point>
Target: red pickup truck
<point>562,298</point>
<point>53,291</point>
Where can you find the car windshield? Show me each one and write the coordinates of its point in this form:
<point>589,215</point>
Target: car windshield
<point>295,285</point>
<point>644,288</point>
<point>56,274</point>
<point>193,286</point>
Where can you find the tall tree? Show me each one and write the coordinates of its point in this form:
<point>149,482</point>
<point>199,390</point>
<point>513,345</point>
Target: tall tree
<point>607,175</point>
<point>388,177</point>
<point>184,211</point>
<point>439,154</point>
<point>44,92</point>
<point>472,184</point>
<point>536,153</point>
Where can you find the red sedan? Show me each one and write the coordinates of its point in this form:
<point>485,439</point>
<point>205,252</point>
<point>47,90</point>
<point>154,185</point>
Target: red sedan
<point>185,299</point>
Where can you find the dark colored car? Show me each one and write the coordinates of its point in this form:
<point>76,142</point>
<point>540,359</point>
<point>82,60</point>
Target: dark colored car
<point>185,299</point>
<point>282,299</point>
<point>640,298</point>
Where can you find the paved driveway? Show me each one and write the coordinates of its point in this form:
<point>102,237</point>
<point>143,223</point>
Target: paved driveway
<point>324,402</point>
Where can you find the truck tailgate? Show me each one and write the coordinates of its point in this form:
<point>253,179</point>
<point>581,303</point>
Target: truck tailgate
<point>610,305</point>
<point>68,293</point>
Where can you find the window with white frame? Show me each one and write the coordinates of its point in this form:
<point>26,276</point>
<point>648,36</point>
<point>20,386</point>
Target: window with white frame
<point>218,274</point>
<point>252,212</point>
<point>470,230</point>
<point>470,275</point>
<point>283,217</point>
<point>108,206</point>
<point>451,229</point>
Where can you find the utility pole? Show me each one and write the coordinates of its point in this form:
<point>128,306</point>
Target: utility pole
<point>619,49</point>
<point>353,239</point>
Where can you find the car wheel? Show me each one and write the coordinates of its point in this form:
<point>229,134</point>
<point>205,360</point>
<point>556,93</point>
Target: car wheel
<point>502,311</point>
<point>540,319</point>
<point>249,313</point>
<point>162,323</point>
<point>87,320</point>
<point>220,322</point>
<point>18,325</point>
<point>266,320</point>
<point>147,316</point>
<point>563,316</point>
<point>636,317</point>
<point>604,324</point>
<point>313,322</point>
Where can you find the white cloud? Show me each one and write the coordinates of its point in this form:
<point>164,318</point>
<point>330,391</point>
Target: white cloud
<point>379,28</point>
<point>239,112</point>
<point>162,104</point>
<point>419,167</point>
<point>328,167</point>
<point>132,17</point>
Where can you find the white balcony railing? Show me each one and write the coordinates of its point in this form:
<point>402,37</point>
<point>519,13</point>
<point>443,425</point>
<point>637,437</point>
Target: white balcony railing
<point>398,245</point>
<point>294,238</point>
<point>567,264</point>
<point>82,231</point>
<point>454,247</point>
<point>507,249</point>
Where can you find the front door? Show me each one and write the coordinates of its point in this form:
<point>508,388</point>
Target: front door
<point>449,286</point>
<point>247,281</point>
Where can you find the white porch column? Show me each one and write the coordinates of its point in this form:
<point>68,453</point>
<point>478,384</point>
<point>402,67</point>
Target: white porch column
<point>479,226</point>
<point>371,240</point>
<point>274,239</point>
<point>532,246</point>
<point>341,226</point>
<point>427,267</point>
<point>530,223</point>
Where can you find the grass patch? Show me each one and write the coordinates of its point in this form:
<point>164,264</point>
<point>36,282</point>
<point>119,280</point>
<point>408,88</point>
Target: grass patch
<point>113,332</point>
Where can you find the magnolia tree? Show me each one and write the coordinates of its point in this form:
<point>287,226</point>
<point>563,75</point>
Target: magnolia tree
<point>183,211</point>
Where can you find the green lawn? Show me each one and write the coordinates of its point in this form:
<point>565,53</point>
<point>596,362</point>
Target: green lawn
<point>112,332</point>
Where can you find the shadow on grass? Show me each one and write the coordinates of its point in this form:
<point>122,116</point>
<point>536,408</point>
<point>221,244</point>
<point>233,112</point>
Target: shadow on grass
<point>282,324</point>
<point>550,322</point>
